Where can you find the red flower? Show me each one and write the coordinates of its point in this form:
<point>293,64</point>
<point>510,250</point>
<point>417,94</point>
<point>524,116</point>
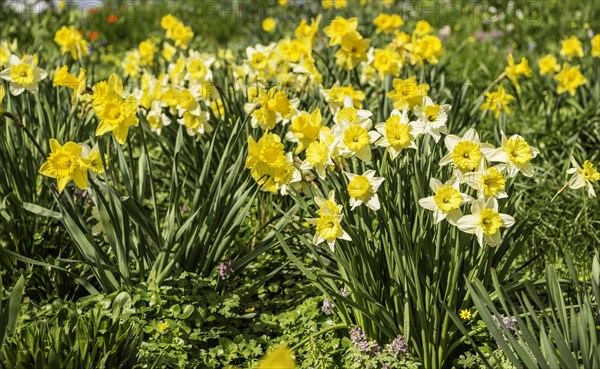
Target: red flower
<point>93,35</point>
<point>111,19</point>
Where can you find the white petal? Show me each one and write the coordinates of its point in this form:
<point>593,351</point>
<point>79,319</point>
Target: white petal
<point>451,141</point>
<point>438,216</point>
<point>507,220</point>
<point>453,216</point>
<point>468,223</point>
<point>435,184</point>
<point>428,203</point>
<point>373,203</point>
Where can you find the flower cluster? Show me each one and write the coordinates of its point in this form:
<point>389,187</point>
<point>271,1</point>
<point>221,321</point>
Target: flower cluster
<point>484,168</point>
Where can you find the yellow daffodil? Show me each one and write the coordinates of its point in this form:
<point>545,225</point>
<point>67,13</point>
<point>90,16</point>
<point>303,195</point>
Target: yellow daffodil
<point>387,23</point>
<point>196,123</point>
<point>513,71</point>
<point>70,41</point>
<point>497,101</point>
<point>329,203</point>
<point>305,129</point>
<point>340,27</point>
<point>116,113</point>
<point>328,227</point>
<point>352,51</point>
<point>407,93</point>
<point>422,28</point>
<point>280,358</point>
<point>548,65</point>
<point>336,95</point>
<point>569,79</point>
<point>304,31</point>
<point>147,49</point>
<point>66,79</point>
<point>427,48</point>
<point>488,183</point>
<point>269,165</point>
<point>271,107</point>
<point>571,47</point>
<point>65,165</point>
<point>157,119</point>
<point>353,132</point>
<point>386,62</point>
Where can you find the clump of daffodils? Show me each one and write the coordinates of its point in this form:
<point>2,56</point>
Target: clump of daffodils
<point>483,169</point>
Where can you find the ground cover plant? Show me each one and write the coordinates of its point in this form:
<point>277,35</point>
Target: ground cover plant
<point>311,184</point>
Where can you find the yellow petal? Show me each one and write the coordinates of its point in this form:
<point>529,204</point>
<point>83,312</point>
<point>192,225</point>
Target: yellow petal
<point>64,78</point>
<point>62,183</point>
<point>80,176</point>
<point>115,84</point>
<point>73,148</point>
<point>104,127</point>
<point>280,358</point>
<point>120,134</point>
<point>54,145</point>
<point>45,170</point>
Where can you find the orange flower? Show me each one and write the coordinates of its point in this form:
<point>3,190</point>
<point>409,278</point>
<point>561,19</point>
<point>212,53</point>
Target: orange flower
<point>111,19</point>
<point>92,10</point>
<point>93,35</point>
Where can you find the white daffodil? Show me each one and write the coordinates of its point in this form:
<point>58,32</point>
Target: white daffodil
<point>397,133</point>
<point>485,222</point>
<point>432,118</point>
<point>329,227</point>
<point>363,189</point>
<point>156,118</point>
<point>465,153</point>
<point>198,67</point>
<point>22,75</point>
<point>515,154</point>
<point>488,183</point>
<point>328,203</point>
<point>446,200</point>
<point>336,97</point>
<point>583,176</point>
<point>196,125</point>
<point>318,156</point>
<point>351,115</point>
<point>353,133</point>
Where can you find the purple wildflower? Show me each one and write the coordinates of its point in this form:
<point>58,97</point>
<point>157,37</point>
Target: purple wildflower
<point>397,346</point>
<point>327,307</point>
<point>225,268</point>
